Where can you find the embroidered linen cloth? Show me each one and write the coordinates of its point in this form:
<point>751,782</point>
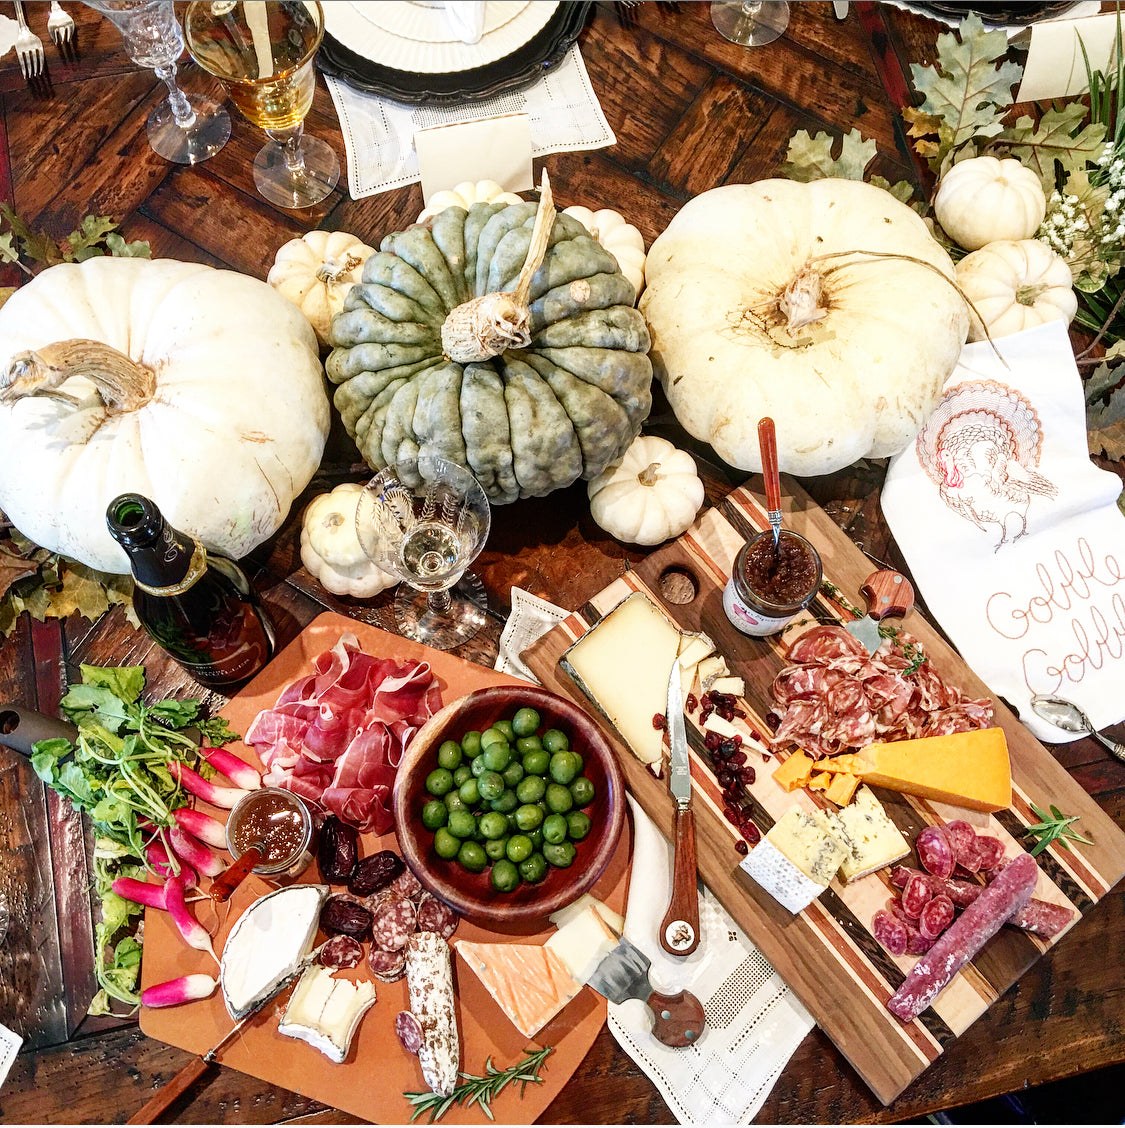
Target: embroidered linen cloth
<point>1012,534</point>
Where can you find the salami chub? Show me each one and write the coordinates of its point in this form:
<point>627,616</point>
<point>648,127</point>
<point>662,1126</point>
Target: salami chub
<point>436,916</point>
<point>429,982</point>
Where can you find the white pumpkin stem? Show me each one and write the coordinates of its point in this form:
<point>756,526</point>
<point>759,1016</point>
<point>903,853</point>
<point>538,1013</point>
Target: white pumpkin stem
<point>487,326</point>
<point>1029,295</point>
<point>650,475</point>
<point>332,271</point>
<point>800,300</point>
<point>123,384</point>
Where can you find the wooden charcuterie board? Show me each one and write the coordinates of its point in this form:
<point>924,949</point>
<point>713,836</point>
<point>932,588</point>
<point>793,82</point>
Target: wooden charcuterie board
<point>377,1071</point>
<point>827,954</point>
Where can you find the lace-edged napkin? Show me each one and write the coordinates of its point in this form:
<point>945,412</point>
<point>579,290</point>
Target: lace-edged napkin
<point>754,1022</point>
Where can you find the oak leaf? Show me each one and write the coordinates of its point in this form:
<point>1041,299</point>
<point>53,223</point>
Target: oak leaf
<point>1059,137</point>
<point>810,158</point>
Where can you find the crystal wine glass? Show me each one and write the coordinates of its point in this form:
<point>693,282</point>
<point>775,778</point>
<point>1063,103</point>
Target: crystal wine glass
<point>263,55</point>
<point>186,128</point>
<point>425,521</point>
<point>750,23</point>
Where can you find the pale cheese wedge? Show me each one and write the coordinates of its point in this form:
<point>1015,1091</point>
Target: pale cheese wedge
<point>583,942</point>
<point>565,915</point>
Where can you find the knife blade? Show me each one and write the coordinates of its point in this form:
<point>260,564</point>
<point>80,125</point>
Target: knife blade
<point>679,931</point>
<point>887,593</point>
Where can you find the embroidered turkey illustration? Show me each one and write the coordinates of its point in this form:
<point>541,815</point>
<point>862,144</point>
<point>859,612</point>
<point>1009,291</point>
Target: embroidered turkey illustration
<point>980,448</point>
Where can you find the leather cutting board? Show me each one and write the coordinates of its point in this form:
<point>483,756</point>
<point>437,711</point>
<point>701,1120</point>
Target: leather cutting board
<point>370,1083</point>
<point>827,954</point>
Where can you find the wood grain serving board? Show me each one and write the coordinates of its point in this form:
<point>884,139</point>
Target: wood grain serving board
<point>377,1071</point>
<point>827,953</point>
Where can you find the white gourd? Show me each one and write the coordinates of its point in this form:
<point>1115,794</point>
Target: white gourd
<point>985,199</point>
<point>316,271</point>
<point>330,547</point>
<point>760,303</point>
<point>1016,286</point>
<point>199,388</point>
<point>617,236</point>
<point>650,496</point>
<point>465,194</point>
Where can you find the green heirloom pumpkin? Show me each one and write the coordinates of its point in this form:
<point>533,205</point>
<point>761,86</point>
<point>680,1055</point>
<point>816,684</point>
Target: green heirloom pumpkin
<point>564,404</point>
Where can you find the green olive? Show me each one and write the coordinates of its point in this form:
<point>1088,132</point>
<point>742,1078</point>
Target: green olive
<point>506,728</point>
<point>563,767</point>
<point>463,773</point>
<point>525,722</point>
<point>582,791</point>
<point>434,814</point>
<point>445,845</point>
<point>496,848</point>
<point>498,757</point>
<point>554,740</point>
<point>454,802</point>
<point>530,789</point>
<point>493,824</point>
<point>558,798</point>
<point>491,786</point>
<point>529,816</point>
<point>533,868</point>
<point>505,877</point>
<point>449,755</point>
<point>577,825</point>
<point>554,829</point>
<point>478,766</point>
<point>513,773</point>
<point>470,744</point>
<point>519,847</point>
<point>469,792</point>
<point>439,782</point>
<point>461,824</point>
<point>472,856</point>
<point>525,744</point>
<point>492,736</point>
<point>559,854</point>
<point>506,803</point>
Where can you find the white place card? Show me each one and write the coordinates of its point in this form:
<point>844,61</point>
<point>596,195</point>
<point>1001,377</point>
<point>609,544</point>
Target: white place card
<point>1055,67</point>
<point>493,148</point>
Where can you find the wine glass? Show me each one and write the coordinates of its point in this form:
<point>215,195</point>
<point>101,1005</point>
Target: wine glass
<point>185,128</point>
<point>263,55</point>
<point>425,521</point>
<point>750,22</point>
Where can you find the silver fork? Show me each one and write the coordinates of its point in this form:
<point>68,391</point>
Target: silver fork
<point>60,26</point>
<point>29,47</point>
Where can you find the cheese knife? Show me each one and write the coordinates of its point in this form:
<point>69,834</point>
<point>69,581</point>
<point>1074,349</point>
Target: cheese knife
<point>679,930</point>
<point>887,593</point>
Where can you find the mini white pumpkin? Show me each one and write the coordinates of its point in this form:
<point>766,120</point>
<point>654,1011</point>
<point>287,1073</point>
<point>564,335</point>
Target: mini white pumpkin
<point>1015,286</point>
<point>984,199</point>
<point>620,238</point>
<point>465,194</point>
<point>316,272</point>
<point>330,548</point>
<point>650,496</point>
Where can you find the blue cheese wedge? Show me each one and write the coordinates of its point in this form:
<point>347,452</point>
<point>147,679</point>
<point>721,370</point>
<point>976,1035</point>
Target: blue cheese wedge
<point>875,841</point>
<point>325,1012</point>
<point>780,878</point>
<point>267,945</point>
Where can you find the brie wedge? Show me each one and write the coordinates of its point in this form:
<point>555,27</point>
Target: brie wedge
<point>325,1012</point>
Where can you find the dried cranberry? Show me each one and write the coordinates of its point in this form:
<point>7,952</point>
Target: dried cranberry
<point>746,775</point>
<point>659,721</point>
<point>773,720</point>
<point>738,757</point>
<point>740,713</point>
<point>692,703</point>
<point>725,778</point>
<point>705,700</point>
<point>731,797</point>
<point>752,834</point>
<point>711,741</point>
<point>736,740</point>
<point>704,713</point>
<point>731,815</point>
<point>741,847</point>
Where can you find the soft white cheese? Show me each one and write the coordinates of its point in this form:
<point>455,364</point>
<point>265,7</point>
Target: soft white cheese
<point>711,669</point>
<point>780,878</point>
<point>732,685</point>
<point>325,1012</point>
<point>582,943</point>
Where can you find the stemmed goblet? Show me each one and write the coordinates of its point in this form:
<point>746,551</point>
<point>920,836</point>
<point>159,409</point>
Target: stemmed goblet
<point>263,55</point>
<point>425,521</point>
<point>185,128</point>
<point>750,23</point>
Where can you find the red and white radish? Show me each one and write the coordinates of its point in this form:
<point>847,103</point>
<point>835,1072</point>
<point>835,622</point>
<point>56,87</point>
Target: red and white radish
<point>167,866</point>
<point>189,849</point>
<point>238,771</point>
<point>185,989</point>
<point>204,789</point>
<point>142,892</point>
<point>190,929</point>
<point>202,825</point>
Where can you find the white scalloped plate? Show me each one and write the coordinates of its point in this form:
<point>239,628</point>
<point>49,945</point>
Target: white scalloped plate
<point>426,22</point>
<point>353,25</point>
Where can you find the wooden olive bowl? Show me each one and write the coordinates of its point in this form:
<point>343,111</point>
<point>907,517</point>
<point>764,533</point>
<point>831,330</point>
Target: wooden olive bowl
<point>472,894</point>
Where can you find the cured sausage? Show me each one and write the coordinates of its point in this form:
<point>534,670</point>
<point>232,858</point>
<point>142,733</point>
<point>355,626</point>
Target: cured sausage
<point>964,938</point>
<point>916,894</point>
<point>936,917</point>
<point>340,952</point>
<point>409,1031</point>
<point>392,924</point>
<point>387,967</point>
<point>991,852</point>
<point>436,916</point>
<point>406,885</point>
<point>429,983</point>
<point>1044,918</point>
<point>891,932</point>
<point>935,851</point>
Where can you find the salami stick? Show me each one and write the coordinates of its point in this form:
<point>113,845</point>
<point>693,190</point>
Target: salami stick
<point>429,983</point>
<point>964,938</point>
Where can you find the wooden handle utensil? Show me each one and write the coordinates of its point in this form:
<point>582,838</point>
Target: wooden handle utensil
<point>679,930</point>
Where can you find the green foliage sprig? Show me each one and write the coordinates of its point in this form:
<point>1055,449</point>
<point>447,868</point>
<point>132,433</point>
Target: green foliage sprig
<point>480,1089</point>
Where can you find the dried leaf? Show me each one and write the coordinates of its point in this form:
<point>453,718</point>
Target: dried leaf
<point>903,191</point>
<point>12,568</point>
<point>93,230</point>
<point>1058,137</point>
<point>33,245</point>
<point>1106,376</point>
<point>810,158</point>
<point>5,293</point>
<point>1106,427</point>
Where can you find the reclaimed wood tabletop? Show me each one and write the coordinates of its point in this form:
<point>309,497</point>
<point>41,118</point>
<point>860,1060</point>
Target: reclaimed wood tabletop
<point>690,111</point>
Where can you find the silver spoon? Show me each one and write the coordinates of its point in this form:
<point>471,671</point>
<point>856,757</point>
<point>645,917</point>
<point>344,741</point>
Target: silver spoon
<point>1070,718</point>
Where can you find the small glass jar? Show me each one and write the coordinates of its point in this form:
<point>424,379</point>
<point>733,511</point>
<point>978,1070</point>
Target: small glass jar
<point>761,597</point>
<point>285,823</point>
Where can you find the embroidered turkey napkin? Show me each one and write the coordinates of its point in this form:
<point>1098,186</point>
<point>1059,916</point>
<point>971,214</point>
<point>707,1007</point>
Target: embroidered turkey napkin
<point>1013,536</point>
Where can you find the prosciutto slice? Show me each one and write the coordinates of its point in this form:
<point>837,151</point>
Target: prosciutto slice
<point>337,735</point>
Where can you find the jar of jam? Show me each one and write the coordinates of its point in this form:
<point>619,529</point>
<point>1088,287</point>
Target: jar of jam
<point>281,823</point>
<point>769,587</point>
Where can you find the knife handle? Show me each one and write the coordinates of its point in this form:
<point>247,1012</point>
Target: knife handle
<point>172,1090</point>
<point>887,593</point>
<point>767,450</point>
<point>21,728</point>
<point>233,876</point>
<point>678,1020</point>
<point>679,930</point>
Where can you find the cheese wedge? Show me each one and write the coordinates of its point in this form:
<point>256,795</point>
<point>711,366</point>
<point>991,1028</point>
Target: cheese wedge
<point>819,781</point>
<point>874,840</point>
<point>622,665</point>
<point>711,670</point>
<point>795,771</point>
<point>732,685</point>
<point>561,917</point>
<point>967,769</point>
<point>582,943</point>
<point>529,982</point>
<point>693,649</point>
<point>720,727</point>
<point>813,841</point>
<point>325,1012</point>
<point>842,789</point>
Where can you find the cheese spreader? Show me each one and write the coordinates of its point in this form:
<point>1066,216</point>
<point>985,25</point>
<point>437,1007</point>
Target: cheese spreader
<point>678,1020</point>
<point>887,593</point>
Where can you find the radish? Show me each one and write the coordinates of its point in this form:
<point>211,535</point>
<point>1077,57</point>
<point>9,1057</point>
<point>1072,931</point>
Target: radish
<point>190,929</point>
<point>185,989</point>
<point>189,849</point>
<point>204,789</point>
<point>143,892</point>
<point>203,826</point>
<point>159,861</point>
<point>238,771</point>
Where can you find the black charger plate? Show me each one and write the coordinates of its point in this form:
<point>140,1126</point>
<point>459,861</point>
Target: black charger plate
<point>1005,14</point>
<point>521,68</point>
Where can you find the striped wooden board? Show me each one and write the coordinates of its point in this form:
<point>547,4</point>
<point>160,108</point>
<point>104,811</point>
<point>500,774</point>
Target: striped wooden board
<point>827,954</point>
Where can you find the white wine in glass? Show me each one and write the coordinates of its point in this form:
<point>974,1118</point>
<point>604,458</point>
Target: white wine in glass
<point>262,53</point>
<point>750,23</point>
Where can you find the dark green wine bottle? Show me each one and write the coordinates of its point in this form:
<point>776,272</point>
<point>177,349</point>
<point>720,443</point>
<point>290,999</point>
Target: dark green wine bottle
<point>196,604</point>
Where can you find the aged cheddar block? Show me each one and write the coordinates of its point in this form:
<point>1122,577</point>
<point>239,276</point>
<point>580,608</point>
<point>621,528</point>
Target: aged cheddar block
<point>795,771</point>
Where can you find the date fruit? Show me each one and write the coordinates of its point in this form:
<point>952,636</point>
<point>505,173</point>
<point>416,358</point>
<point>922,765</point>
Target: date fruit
<point>375,873</point>
<point>338,850</point>
<point>341,916</point>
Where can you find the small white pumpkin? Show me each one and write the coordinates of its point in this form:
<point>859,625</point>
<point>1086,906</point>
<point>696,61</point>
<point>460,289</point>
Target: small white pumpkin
<point>650,496</point>
<point>1015,286</point>
<point>983,199</point>
<point>620,238</point>
<point>465,194</point>
<point>330,548</point>
<point>316,272</point>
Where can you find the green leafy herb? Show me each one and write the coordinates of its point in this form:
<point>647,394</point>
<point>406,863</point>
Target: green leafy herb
<point>481,1089</point>
<point>1054,827</point>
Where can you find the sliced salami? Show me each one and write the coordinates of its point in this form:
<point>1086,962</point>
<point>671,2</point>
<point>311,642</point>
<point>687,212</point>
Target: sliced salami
<point>936,917</point>
<point>436,916</point>
<point>340,952</point>
<point>962,836</point>
<point>386,966</point>
<point>935,851</point>
<point>890,932</point>
<point>393,924</point>
<point>406,885</point>
<point>916,894</point>
<point>409,1031</point>
<point>970,859</point>
<point>991,852</point>
<point>894,907</point>
<point>917,944</point>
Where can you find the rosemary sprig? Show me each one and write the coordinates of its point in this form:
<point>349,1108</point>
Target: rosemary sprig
<point>1054,827</point>
<point>480,1090</point>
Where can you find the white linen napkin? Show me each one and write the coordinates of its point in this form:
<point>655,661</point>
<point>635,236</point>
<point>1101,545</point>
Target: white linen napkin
<point>465,19</point>
<point>1012,534</point>
<point>754,1022</point>
<point>379,134</point>
<point>10,1043</point>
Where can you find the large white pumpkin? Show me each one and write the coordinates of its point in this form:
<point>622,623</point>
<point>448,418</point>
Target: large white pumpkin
<point>760,303</point>
<point>216,407</point>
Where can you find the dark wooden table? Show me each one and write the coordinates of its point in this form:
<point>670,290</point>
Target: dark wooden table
<point>690,111</point>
